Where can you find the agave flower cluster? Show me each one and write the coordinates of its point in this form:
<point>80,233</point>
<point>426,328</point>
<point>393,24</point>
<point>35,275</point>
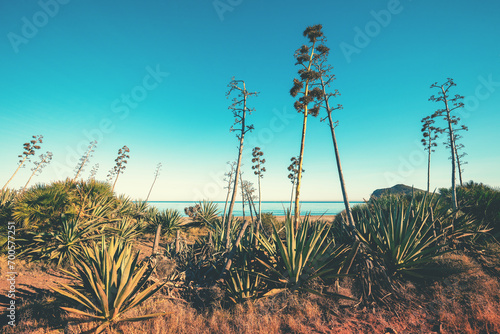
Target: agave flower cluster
<point>309,84</point>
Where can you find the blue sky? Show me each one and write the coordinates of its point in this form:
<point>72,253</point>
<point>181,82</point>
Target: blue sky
<point>153,76</point>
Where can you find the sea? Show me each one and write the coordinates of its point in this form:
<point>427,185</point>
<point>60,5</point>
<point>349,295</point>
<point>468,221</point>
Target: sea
<point>276,207</point>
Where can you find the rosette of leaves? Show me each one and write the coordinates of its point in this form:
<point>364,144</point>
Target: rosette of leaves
<point>404,233</point>
<point>244,283</point>
<point>203,213</point>
<point>64,245</point>
<point>109,282</point>
<point>306,253</point>
<point>170,221</point>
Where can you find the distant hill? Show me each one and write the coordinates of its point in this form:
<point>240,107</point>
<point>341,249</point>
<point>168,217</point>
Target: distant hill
<point>398,189</point>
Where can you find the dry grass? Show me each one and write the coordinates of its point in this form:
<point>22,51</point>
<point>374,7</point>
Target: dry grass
<point>466,301</point>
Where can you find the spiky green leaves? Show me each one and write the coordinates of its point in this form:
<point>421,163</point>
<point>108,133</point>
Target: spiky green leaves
<point>404,235</point>
<point>303,255</point>
<point>109,282</point>
<point>170,221</point>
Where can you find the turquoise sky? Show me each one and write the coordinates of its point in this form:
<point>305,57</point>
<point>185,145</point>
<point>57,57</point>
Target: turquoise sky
<point>153,75</point>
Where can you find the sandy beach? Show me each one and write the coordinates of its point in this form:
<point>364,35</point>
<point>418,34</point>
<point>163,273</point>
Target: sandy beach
<point>328,218</point>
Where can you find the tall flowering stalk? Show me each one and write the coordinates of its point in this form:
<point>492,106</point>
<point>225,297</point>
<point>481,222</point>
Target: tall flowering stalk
<point>121,164</point>
<point>93,172</point>
<point>294,170</point>
<point>239,109</point>
<point>326,78</point>
<point>450,105</point>
<point>306,87</point>
<point>430,134</point>
<point>39,165</point>
<point>28,150</point>
<point>156,174</point>
<point>85,159</point>
<point>259,170</point>
<point>229,178</point>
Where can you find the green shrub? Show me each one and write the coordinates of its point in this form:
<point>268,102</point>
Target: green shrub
<point>269,221</point>
<point>7,201</point>
<point>479,201</point>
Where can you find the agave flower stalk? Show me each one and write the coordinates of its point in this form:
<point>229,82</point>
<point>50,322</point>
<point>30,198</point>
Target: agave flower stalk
<point>93,172</point>
<point>259,170</point>
<point>243,199</point>
<point>305,57</point>
<point>29,150</point>
<point>157,173</point>
<point>460,156</point>
<point>121,162</point>
<point>430,134</point>
<point>239,109</point>
<point>450,104</point>
<point>85,158</point>
<point>324,70</point>
<point>229,179</point>
<point>293,169</point>
<point>44,161</point>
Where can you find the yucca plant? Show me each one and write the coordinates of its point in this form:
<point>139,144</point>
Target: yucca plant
<point>405,235</point>
<point>109,282</point>
<point>305,253</point>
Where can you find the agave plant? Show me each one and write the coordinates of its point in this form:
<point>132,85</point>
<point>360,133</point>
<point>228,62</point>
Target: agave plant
<point>244,283</point>
<point>109,283</point>
<point>170,221</point>
<point>404,234</point>
<point>140,211</point>
<point>126,229</point>
<point>217,233</point>
<point>203,213</point>
<point>65,245</point>
<point>305,253</point>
